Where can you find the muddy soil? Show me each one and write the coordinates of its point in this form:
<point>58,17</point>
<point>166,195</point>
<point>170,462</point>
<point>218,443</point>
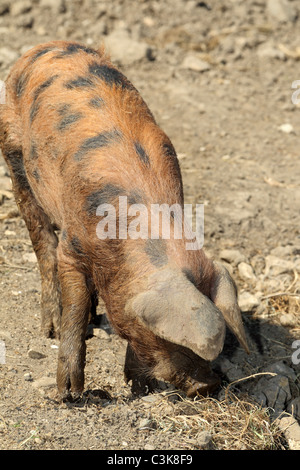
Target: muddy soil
<point>218,77</point>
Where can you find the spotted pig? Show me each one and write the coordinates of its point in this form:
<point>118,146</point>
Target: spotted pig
<point>76,135</point>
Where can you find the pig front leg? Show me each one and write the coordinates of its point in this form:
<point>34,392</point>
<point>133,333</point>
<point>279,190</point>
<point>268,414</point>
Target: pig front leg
<point>138,373</point>
<point>76,303</point>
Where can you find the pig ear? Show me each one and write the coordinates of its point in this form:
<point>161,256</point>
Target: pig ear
<point>224,295</point>
<point>176,311</point>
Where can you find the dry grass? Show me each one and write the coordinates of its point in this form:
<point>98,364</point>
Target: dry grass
<point>233,424</point>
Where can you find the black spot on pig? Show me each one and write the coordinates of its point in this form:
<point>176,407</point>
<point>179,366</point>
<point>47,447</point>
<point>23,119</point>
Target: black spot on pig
<point>109,75</point>
<point>96,102</point>
<point>41,52</point>
<point>142,153</point>
<point>16,164</point>
<point>79,82</point>
<point>105,195</point>
<point>21,84</point>
<point>74,48</point>
<point>33,153</point>
<point>76,246</point>
<point>36,96</point>
<point>68,120</point>
<point>98,141</point>
<point>156,251</point>
<point>36,174</point>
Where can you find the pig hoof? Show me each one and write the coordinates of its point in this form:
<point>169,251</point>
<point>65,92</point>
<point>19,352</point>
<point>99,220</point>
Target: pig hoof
<point>70,397</point>
<point>143,386</point>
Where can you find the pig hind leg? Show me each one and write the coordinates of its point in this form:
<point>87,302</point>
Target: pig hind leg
<point>44,241</point>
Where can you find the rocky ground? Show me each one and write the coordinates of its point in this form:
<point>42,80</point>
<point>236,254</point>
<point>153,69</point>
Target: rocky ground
<point>218,77</point>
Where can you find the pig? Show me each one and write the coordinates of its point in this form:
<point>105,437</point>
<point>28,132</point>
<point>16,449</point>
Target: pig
<point>77,135</point>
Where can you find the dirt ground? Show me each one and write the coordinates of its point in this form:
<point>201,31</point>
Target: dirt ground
<point>218,77</point>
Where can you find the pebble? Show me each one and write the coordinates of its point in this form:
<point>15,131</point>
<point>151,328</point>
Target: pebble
<point>273,392</point>
<point>276,266</point>
<point>247,301</point>
<point>192,62</point>
<point>20,7</point>
<point>35,354</point>
<point>270,52</point>
<point>288,319</point>
<point>204,440</point>
<point>7,56</point>
<point>281,368</point>
<point>232,371</point>
<point>101,334</point>
<point>283,251</point>
<point>28,377</point>
<point>30,257</point>
<point>291,429</point>
<point>233,257</point>
<point>57,6</point>
<point>287,128</point>
<point>146,424</point>
<point>281,10</point>
<point>149,447</point>
<point>45,382</point>
<point>124,49</point>
<point>246,272</point>
<point>4,7</point>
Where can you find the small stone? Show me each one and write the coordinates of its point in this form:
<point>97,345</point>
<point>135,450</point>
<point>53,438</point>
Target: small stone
<point>35,354</point>
<point>45,382</point>
<point>101,334</point>
<point>193,62</point>
<point>4,7</point>
<point>28,377</point>
<point>268,51</point>
<point>204,440</point>
<point>291,429</point>
<point>57,6</point>
<point>233,257</point>
<point>273,392</point>
<point>287,128</point>
<point>30,257</point>
<point>288,319</point>
<point>20,7</point>
<point>149,447</point>
<point>124,49</point>
<point>247,301</point>
<point>150,398</point>
<point>281,368</point>
<point>16,292</point>
<point>246,272</point>
<point>146,424</point>
<point>276,266</point>
<point>232,371</point>
<point>281,10</point>
<point>7,56</point>
<point>10,233</point>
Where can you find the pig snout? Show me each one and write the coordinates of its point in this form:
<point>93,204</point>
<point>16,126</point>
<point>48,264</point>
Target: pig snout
<point>192,374</point>
<point>205,384</point>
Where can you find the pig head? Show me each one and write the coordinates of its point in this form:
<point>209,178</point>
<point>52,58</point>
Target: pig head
<point>188,327</point>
